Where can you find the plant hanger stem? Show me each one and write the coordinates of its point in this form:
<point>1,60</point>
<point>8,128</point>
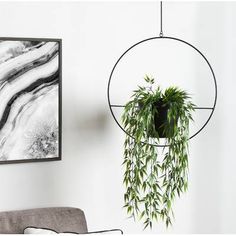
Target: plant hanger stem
<point>161,30</point>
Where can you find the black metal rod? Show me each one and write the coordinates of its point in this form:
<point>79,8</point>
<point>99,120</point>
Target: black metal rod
<point>117,106</point>
<point>204,108</point>
<point>196,108</point>
<point>161,31</point>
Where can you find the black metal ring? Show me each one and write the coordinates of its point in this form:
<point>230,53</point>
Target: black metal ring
<point>179,40</point>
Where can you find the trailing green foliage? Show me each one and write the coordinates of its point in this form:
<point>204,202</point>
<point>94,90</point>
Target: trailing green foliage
<point>154,177</point>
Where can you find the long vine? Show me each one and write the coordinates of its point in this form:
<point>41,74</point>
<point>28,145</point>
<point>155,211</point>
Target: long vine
<point>154,177</point>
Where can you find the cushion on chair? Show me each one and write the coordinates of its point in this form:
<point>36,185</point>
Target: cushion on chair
<point>59,219</point>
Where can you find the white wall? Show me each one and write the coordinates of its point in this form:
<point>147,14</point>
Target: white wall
<point>90,175</point>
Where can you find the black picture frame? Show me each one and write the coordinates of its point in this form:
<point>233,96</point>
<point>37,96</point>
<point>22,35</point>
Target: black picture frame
<point>59,41</point>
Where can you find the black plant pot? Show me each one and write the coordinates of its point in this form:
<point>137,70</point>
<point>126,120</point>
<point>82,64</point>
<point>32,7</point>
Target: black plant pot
<point>160,121</point>
<point>160,118</point>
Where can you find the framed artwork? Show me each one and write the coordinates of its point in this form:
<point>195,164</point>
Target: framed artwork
<point>30,99</point>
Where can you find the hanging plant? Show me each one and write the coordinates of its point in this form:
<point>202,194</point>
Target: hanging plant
<point>154,177</point>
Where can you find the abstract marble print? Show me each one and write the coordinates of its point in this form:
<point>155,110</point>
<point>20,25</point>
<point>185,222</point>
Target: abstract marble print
<point>29,100</point>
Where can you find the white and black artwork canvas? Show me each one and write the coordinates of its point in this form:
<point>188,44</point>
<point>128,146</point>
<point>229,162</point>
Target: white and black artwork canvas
<point>30,100</point>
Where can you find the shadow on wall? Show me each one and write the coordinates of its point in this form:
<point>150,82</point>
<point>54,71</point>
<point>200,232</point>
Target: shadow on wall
<point>86,125</point>
<point>95,121</point>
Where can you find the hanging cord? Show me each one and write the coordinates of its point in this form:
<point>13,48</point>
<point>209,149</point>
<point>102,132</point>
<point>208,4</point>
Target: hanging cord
<point>161,32</point>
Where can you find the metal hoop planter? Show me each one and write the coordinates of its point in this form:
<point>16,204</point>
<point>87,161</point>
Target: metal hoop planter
<point>159,38</point>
